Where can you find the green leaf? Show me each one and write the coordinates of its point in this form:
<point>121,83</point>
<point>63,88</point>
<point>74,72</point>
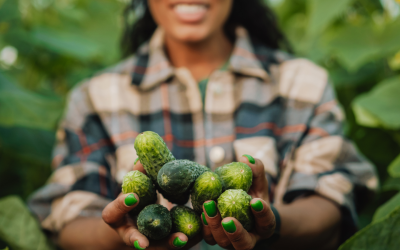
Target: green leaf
<point>363,117</point>
<point>19,107</point>
<point>380,106</point>
<point>394,168</point>
<point>65,43</point>
<point>387,208</point>
<point>356,45</point>
<point>383,234</point>
<point>391,184</point>
<point>18,228</point>
<point>8,10</point>
<point>324,12</point>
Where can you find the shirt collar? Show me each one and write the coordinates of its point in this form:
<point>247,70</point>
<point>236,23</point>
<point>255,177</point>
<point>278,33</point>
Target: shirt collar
<point>243,59</point>
<point>153,67</point>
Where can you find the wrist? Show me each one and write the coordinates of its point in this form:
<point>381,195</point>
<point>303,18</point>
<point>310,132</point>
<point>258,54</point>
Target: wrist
<point>277,222</point>
<point>276,235</point>
<point>108,237</point>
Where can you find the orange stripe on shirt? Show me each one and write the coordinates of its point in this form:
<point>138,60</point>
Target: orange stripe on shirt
<point>261,126</point>
<point>272,126</point>
<point>243,53</point>
<point>124,136</point>
<point>202,142</point>
<point>325,107</point>
<point>290,129</point>
<point>230,138</point>
<point>318,131</point>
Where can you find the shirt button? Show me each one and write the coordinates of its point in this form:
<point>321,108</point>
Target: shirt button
<point>217,154</point>
<point>217,88</point>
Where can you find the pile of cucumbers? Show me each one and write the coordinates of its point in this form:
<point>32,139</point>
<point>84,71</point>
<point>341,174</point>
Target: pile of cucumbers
<point>179,180</point>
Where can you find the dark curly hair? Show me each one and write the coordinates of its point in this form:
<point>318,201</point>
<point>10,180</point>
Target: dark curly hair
<point>253,15</point>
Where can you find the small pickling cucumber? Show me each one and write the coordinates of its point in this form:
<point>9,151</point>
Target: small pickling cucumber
<point>154,221</point>
<point>208,186</point>
<point>185,220</point>
<point>236,203</point>
<point>236,175</point>
<point>153,153</point>
<point>138,183</point>
<point>177,177</point>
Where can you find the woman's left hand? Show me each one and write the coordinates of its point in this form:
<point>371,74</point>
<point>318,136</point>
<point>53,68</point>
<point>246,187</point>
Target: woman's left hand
<point>229,232</point>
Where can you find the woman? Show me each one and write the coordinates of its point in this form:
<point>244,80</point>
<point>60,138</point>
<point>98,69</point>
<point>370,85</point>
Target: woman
<point>210,79</point>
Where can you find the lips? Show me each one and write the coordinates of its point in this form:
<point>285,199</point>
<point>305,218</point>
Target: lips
<point>190,13</point>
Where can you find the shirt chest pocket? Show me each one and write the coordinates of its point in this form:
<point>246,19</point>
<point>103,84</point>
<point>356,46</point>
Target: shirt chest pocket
<point>260,147</point>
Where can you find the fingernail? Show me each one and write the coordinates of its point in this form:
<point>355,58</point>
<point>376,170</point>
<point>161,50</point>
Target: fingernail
<point>130,200</point>
<point>204,219</point>
<point>250,158</point>
<point>211,209</point>
<point>178,242</point>
<point>257,206</point>
<point>137,246</point>
<point>229,226</point>
<point>136,161</point>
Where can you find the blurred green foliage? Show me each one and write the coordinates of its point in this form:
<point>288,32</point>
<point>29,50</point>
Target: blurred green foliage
<point>358,41</point>
<point>58,43</point>
<point>19,228</point>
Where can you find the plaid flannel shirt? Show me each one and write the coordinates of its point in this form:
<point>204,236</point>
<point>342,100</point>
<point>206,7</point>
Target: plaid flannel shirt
<point>276,108</point>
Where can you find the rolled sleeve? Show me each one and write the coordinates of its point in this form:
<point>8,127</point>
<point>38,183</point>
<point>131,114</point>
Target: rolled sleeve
<point>328,164</point>
<point>82,184</point>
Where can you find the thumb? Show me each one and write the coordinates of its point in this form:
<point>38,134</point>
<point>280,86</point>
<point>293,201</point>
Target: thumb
<point>138,166</point>
<point>259,188</point>
<point>114,213</point>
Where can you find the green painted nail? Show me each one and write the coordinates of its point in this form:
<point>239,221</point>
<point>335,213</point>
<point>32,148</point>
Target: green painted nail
<point>178,242</point>
<point>130,200</point>
<point>136,161</point>
<point>203,216</point>
<point>137,246</point>
<point>229,226</point>
<point>250,158</point>
<point>211,209</point>
<point>257,206</point>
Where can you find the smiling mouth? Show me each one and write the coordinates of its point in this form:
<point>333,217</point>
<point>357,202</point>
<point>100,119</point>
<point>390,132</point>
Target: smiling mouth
<point>190,13</point>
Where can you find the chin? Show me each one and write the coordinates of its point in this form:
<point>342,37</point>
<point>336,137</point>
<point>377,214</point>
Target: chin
<point>191,35</point>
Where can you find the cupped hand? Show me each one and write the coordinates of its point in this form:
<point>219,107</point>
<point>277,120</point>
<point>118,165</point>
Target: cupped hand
<point>229,232</point>
<point>115,214</point>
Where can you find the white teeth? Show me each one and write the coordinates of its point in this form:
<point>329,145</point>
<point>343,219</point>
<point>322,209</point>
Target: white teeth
<point>190,8</point>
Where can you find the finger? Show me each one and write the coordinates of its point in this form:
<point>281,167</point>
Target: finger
<point>114,213</point>
<point>213,218</point>
<point>260,182</point>
<point>237,235</point>
<point>132,237</point>
<point>256,166</point>
<point>177,240</point>
<point>139,166</point>
<point>207,235</point>
<point>265,219</point>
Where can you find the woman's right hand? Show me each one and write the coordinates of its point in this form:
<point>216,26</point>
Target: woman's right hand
<point>115,214</point>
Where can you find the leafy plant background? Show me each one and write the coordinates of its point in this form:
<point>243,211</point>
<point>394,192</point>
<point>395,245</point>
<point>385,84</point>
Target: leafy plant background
<point>47,46</point>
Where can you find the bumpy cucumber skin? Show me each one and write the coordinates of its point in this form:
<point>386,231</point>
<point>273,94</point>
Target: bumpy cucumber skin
<point>177,177</point>
<point>138,183</point>
<point>236,175</point>
<point>153,153</point>
<point>236,203</point>
<point>185,220</point>
<point>208,186</point>
<point>154,221</point>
